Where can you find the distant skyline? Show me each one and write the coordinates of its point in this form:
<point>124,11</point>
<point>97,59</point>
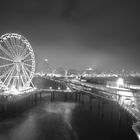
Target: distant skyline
<point>77,33</point>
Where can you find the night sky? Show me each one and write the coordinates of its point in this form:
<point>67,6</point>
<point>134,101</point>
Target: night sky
<point>77,34</point>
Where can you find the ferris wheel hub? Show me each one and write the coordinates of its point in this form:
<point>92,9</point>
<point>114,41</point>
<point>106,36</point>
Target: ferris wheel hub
<point>18,60</point>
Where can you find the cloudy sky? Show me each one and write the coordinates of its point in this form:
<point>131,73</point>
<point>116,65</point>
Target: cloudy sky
<point>77,34</point>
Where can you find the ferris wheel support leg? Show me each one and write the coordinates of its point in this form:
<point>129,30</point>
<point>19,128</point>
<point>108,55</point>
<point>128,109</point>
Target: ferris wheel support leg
<point>8,76</point>
<point>11,76</point>
<point>28,76</point>
<point>32,84</point>
<point>5,73</point>
<point>25,76</point>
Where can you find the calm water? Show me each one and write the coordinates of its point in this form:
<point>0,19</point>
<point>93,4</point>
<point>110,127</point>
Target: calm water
<point>69,120</point>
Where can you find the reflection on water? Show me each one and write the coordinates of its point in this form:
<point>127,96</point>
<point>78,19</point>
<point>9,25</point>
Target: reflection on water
<point>68,121</point>
<point>47,121</point>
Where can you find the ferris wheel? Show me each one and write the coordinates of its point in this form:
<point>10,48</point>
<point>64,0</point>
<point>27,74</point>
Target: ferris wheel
<point>17,62</point>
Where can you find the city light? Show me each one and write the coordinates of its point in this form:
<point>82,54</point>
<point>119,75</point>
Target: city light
<point>46,60</point>
<point>120,82</point>
<point>50,88</point>
<point>68,88</point>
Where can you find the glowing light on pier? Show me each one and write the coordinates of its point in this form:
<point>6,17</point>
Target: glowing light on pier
<point>120,82</point>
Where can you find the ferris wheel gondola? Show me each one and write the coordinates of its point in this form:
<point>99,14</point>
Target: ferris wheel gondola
<point>17,62</point>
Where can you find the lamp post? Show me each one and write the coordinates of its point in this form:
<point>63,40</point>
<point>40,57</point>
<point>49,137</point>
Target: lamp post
<point>45,65</point>
<point>48,67</point>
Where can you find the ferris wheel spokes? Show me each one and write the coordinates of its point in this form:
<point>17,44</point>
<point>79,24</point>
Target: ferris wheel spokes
<point>5,73</point>
<point>13,44</point>
<point>28,60</point>
<point>25,77</point>
<point>6,65</point>
<point>12,41</point>
<point>18,76</point>
<point>6,52</point>
<point>22,48</point>
<point>4,58</point>
<point>24,52</point>
<point>9,47</point>
<point>27,69</point>
<point>8,76</point>
<point>18,41</point>
<point>26,56</point>
<point>21,77</point>
<point>18,45</point>
<point>21,81</point>
<point>26,73</point>
<point>27,65</point>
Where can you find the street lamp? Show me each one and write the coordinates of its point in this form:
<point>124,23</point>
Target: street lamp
<point>68,88</point>
<point>50,88</point>
<point>46,60</point>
